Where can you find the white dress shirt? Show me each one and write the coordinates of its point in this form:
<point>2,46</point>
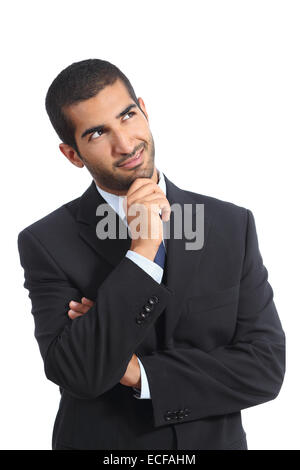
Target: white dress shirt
<point>153,269</point>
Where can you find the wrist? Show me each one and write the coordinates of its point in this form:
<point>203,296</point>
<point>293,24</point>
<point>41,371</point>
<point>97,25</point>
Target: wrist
<point>148,252</point>
<point>138,384</point>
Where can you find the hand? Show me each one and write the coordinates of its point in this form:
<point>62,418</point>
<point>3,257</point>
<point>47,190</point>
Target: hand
<point>78,309</point>
<point>148,199</point>
<point>132,376</point>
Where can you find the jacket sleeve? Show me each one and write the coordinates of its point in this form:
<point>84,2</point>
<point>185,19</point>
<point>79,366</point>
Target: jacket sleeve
<point>88,355</point>
<point>247,372</point>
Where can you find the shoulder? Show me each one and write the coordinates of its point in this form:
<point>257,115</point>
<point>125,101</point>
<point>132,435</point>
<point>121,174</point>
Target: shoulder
<point>58,219</point>
<point>219,210</point>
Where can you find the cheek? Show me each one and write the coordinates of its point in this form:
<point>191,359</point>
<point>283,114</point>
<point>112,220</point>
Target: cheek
<point>140,130</point>
<point>98,152</point>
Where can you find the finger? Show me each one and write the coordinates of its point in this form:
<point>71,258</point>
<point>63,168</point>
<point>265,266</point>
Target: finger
<point>78,307</point>
<point>142,193</point>
<point>165,213</point>
<point>137,185</point>
<point>138,182</point>
<point>149,209</point>
<point>86,301</point>
<point>164,205</point>
<point>154,206</point>
<point>153,196</point>
<point>158,203</point>
<point>144,190</point>
<point>72,314</point>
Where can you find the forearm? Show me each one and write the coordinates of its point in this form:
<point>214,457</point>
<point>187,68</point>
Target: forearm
<point>92,354</point>
<point>223,381</point>
<point>88,355</point>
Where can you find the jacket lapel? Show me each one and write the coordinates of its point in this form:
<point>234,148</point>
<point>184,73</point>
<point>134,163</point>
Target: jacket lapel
<point>181,263</point>
<point>112,250</point>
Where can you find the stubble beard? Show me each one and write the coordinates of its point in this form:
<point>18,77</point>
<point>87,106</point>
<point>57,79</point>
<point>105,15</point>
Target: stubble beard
<point>118,182</point>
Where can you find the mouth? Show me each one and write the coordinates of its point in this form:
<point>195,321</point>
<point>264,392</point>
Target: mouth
<point>133,161</point>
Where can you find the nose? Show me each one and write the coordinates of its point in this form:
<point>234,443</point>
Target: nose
<point>122,143</point>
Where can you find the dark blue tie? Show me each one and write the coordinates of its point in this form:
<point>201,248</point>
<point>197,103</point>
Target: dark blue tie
<point>160,256</point>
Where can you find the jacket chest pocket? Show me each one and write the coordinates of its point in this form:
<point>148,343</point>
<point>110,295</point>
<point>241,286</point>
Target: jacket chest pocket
<point>210,318</point>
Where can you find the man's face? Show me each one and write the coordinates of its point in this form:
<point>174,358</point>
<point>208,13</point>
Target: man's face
<point>104,151</point>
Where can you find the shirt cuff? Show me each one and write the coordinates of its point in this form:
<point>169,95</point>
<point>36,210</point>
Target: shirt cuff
<point>144,392</point>
<point>151,268</point>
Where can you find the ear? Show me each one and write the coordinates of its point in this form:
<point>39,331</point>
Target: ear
<point>142,105</point>
<point>71,155</point>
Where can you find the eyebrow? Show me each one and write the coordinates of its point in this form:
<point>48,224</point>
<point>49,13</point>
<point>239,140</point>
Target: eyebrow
<point>102,126</point>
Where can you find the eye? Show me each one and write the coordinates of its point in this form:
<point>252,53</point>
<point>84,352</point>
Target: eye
<point>131,113</point>
<point>93,138</point>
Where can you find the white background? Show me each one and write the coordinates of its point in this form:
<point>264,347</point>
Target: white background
<point>220,81</point>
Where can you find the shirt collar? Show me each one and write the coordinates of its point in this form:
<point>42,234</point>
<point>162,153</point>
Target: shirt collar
<point>116,202</point>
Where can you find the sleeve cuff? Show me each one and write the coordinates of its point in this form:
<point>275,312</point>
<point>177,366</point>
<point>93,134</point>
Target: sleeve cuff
<point>151,268</point>
<point>145,391</point>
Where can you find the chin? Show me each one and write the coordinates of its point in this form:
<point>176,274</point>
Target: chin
<point>144,173</point>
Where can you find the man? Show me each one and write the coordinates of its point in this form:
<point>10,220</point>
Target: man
<point>152,345</point>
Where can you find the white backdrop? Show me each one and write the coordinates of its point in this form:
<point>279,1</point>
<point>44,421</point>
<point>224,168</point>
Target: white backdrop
<point>220,81</point>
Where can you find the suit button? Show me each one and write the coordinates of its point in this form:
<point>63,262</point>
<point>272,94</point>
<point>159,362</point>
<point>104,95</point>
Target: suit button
<point>153,300</point>
<point>180,414</point>
<point>144,314</point>
<point>139,321</point>
<point>170,415</point>
<point>148,308</point>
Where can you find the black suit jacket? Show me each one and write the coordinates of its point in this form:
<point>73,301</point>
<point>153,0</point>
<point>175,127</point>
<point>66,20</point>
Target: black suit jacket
<point>212,344</point>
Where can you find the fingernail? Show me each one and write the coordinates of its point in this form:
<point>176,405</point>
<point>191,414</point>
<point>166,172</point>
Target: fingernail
<point>74,303</point>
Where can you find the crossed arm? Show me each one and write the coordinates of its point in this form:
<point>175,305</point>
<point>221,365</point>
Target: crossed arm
<point>132,376</point>
<point>78,355</point>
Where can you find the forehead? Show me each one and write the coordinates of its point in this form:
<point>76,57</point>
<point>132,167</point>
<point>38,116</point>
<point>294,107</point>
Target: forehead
<point>101,108</point>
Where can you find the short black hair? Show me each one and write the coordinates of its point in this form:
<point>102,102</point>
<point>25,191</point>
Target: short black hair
<point>77,82</point>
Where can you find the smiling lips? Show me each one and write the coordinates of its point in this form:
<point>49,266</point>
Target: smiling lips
<point>133,161</point>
